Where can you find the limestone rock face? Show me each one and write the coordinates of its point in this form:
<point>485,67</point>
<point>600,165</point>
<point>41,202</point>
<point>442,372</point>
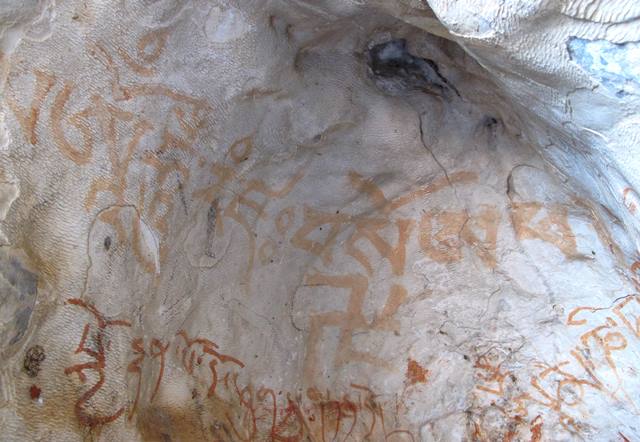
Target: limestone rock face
<point>314,220</point>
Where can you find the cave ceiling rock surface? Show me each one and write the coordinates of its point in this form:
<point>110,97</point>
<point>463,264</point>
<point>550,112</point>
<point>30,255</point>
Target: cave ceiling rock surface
<point>319,220</point>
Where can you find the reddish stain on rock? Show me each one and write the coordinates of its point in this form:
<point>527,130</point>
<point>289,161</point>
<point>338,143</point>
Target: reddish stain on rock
<point>35,392</point>
<point>416,374</point>
<point>536,429</point>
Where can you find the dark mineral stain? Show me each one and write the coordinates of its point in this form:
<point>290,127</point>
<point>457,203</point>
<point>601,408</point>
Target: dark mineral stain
<point>22,322</point>
<point>396,71</point>
<point>490,122</point>
<point>24,281</point>
<point>32,360</point>
<point>107,243</point>
<point>183,200</point>
<point>212,217</point>
<point>18,292</point>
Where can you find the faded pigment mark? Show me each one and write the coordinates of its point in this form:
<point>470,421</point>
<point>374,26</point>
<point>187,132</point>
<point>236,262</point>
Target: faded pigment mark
<point>416,374</point>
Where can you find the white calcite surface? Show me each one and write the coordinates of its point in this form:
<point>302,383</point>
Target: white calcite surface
<point>320,220</point>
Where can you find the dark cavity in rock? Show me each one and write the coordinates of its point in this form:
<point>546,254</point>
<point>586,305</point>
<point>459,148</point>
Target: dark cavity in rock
<point>396,71</point>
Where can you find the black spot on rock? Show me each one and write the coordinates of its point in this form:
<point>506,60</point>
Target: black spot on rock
<point>395,71</point>
<point>107,243</point>
<point>490,122</point>
<point>32,360</point>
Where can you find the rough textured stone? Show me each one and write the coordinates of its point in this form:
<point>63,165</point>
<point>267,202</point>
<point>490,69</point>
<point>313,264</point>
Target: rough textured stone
<point>319,220</point>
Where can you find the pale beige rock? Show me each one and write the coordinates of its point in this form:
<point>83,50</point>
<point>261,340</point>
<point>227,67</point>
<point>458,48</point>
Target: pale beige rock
<point>319,220</point>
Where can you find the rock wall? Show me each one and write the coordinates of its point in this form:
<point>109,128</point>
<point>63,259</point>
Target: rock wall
<point>319,220</point>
